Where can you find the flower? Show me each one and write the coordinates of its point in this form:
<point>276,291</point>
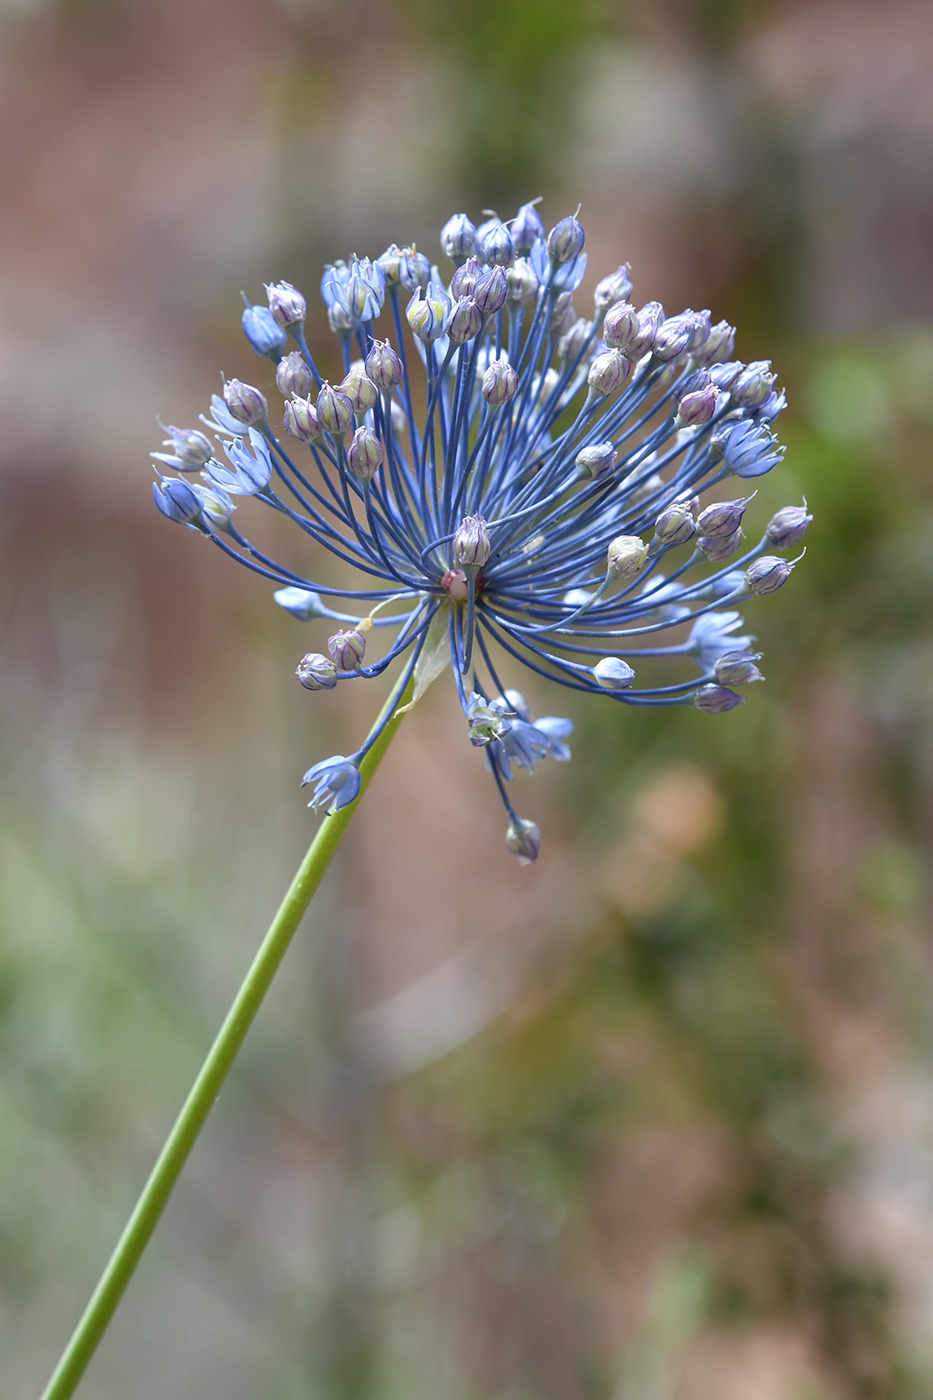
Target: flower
<point>533,514</point>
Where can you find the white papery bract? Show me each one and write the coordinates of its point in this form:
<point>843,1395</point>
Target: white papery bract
<point>541,509</point>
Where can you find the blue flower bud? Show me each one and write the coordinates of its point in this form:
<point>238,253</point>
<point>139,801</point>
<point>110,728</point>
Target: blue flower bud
<point>302,603</point>
<point>464,322</point>
<point>738,668</point>
<point>347,648</point>
<point>458,238</point>
<point>337,783</point>
<point>614,288</point>
<point>244,403</point>
<point>491,291</point>
<point>365,454</point>
<point>596,459</point>
<point>292,376</point>
<point>316,672</point>
<point>788,526</point>
<point>527,227</point>
<point>359,388</point>
<point>522,280</point>
<point>523,839</point>
<point>334,410</point>
<point>300,421</point>
<point>716,699</point>
<point>612,673</point>
<point>498,248</point>
<point>626,556</point>
<point>675,525</point>
<point>566,240</point>
<point>190,449</point>
<point>499,383</point>
<point>383,366</point>
<point>719,548</point>
<point>609,371</point>
<point>768,574</point>
<point>287,305</point>
<point>176,499</point>
<point>263,331</point>
<point>464,280</point>
<point>722,517</point>
<point>414,270</point>
<point>471,541</point>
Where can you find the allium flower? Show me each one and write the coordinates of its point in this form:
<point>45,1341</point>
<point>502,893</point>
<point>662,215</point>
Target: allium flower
<point>545,509</point>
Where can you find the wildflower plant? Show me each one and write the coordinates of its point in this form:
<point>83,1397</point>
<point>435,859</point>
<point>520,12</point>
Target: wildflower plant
<point>504,484</point>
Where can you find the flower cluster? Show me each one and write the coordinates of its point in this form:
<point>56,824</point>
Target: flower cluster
<point>513,483</point>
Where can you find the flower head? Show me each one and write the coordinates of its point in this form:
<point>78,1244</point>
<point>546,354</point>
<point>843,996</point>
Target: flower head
<point>547,509</point>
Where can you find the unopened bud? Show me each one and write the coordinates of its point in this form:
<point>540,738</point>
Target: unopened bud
<point>293,376</point>
<point>522,280</point>
<point>491,291</point>
<point>672,339</point>
<point>574,342</point>
<point>596,459</point>
<point>616,287</point>
<point>359,388</point>
<point>244,403</point>
<point>498,247</point>
<point>471,541</point>
<point>697,408</point>
<point>334,410</point>
<point>788,526</point>
<point>499,383</point>
<point>365,454</point>
<point>458,238</point>
<point>263,332</point>
<point>767,574</point>
<point>722,517</point>
<point>626,556</point>
<point>716,699</point>
<point>316,672</point>
<point>414,270</point>
<point>753,384</point>
<point>609,371</point>
<point>563,314</point>
<point>425,316</point>
<point>675,525</point>
<point>523,839</point>
<point>650,318</point>
<point>383,366</point>
<point>612,673</point>
<point>620,326</point>
<point>566,239</point>
<point>286,303</point>
<point>464,322</point>
<point>738,668</point>
<point>301,421</point>
<point>527,227</point>
<point>302,603</point>
<point>719,345</point>
<point>347,648</point>
<point>719,548</point>
<point>465,278</point>
<point>176,499</point>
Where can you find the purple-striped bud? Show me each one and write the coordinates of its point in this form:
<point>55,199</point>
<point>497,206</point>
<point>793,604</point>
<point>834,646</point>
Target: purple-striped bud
<point>301,421</point>
<point>563,314</point>
<point>499,383</point>
<point>522,280</point>
<point>609,371</point>
<point>788,526</point>
<point>359,388</point>
<point>365,454</point>
<point>616,287</point>
<point>672,339</point>
<point>596,459</point>
<point>626,556</point>
<point>719,548</point>
<point>414,270</point>
<point>491,291</point>
<point>719,345</point>
<point>316,672</point>
<point>244,403</point>
<point>716,699</point>
<point>752,386</point>
<point>620,326</point>
<point>612,673</point>
<point>293,376</point>
<point>523,839</point>
<point>347,648</point>
<point>527,227</point>
<point>471,541</point>
<point>697,408</point>
<point>675,525</point>
<point>574,341</point>
<point>767,574</point>
<point>383,366</point>
<point>286,303</point>
<point>464,322</point>
<point>650,318</point>
<point>738,668</point>
<point>566,239</point>
<point>498,247</point>
<point>176,499</point>
<point>458,238</point>
<point>722,517</point>
<point>464,280</point>
<point>334,410</point>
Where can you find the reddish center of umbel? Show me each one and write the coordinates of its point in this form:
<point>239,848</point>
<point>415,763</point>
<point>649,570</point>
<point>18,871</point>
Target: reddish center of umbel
<point>455,581</point>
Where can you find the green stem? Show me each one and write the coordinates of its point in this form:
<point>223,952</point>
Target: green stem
<point>214,1071</point>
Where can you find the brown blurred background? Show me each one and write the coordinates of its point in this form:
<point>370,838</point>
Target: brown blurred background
<point>653,1120</point>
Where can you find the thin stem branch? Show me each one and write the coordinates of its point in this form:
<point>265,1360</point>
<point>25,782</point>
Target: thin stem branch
<point>216,1067</point>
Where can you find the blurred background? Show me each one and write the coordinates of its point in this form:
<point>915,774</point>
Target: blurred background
<point>652,1120</point>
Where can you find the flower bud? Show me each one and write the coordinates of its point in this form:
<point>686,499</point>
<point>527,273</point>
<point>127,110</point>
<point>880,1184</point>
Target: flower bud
<point>498,247</point>
<point>596,459</point>
<point>788,526</point>
<point>302,603</point>
<point>753,384</point>
<point>491,291</point>
<point>391,261</point>
<point>426,316</point>
<point>697,408</point>
<point>719,345</point>
<point>347,648</point>
<point>522,280</point>
<point>334,410</point>
<point>719,548</point>
<point>176,499</point>
<point>767,574</point>
<point>263,332</point>
<point>716,699</point>
<point>616,287</point>
<point>612,673</point>
<point>566,240</point>
<point>499,383</point>
<point>316,672</point>
<point>523,839</point>
<point>722,517</point>
<point>464,322</point>
<point>383,366</point>
<point>464,280</point>
<point>650,318</point>
<point>458,238</point>
<point>563,314</point>
<point>414,270</point>
<point>293,376</point>
<point>286,303</point>
<point>365,454</point>
<point>609,371</point>
<point>244,403</point>
<point>620,326</point>
<point>190,449</point>
<point>675,525</point>
<point>573,342</point>
<point>626,556</point>
<point>527,227</point>
<point>359,388</point>
<point>738,668</point>
<point>471,541</point>
<point>301,421</point>
<point>672,339</point>
<point>341,320</point>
